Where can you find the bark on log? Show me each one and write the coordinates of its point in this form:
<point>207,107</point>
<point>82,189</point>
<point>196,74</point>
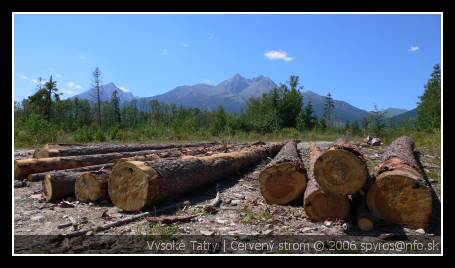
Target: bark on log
<point>24,167</point>
<point>134,185</point>
<point>40,176</point>
<point>92,186</point>
<point>284,179</point>
<point>107,148</point>
<point>399,194</point>
<point>320,205</point>
<point>57,186</point>
<point>341,169</point>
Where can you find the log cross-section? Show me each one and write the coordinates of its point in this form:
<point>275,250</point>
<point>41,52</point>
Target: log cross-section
<point>318,204</point>
<point>341,169</point>
<point>283,180</point>
<point>134,185</point>
<point>92,186</point>
<point>399,194</point>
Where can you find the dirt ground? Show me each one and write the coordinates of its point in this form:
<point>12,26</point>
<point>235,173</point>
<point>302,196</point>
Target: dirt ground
<point>243,210</point>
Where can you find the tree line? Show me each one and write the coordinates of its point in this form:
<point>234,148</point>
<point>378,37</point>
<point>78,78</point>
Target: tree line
<point>46,117</point>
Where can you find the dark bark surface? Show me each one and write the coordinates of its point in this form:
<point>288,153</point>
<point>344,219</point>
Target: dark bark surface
<point>109,148</point>
<point>58,186</point>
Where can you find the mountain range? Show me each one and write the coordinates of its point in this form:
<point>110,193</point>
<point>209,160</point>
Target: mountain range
<point>233,95</point>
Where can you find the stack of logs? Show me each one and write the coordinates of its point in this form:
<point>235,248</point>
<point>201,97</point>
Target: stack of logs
<point>136,176</point>
<point>336,184</point>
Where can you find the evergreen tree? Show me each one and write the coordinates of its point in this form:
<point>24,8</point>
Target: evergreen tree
<point>329,107</point>
<point>115,102</point>
<point>97,94</point>
<point>429,108</point>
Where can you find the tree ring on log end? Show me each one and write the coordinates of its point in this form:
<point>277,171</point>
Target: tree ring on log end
<point>340,171</point>
<point>130,186</point>
<point>321,206</point>
<point>88,188</point>
<point>282,183</point>
<point>395,199</point>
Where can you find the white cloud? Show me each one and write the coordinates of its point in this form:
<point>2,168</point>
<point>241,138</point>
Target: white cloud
<point>36,82</point>
<point>73,86</point>
<point>413,48</point>
<point>165,52</point>
<point>24,77</point>
<point>206,81</point>
<point>58,75</point>
<point>67,91</point>
<point>125,89</point>
<point>185,45</point>
<point>277,55</point>
<point>52,70</point>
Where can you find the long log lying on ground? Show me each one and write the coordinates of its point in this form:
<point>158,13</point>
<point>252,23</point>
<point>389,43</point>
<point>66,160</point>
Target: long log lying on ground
<point>57,186</point>
<point>40,176</point>
<point>399,194</point>
<point>341,169</point>
<point>92,186</point>
<point>24,167</point>
<point>283,180</point>
<point>318,204</point>
<point>108,148</point>
<point>134,185</point>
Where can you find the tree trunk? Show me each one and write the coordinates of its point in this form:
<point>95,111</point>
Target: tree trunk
<point>92,186</point>
<point>283,179</point>
<point>134,185</point>
<point>40,176</point>
<point>57,186</point>
<point>53,151</point>
<point>341,169</point>
<point>24,167</point>
<point>318,204</point>
<point>399,194</point>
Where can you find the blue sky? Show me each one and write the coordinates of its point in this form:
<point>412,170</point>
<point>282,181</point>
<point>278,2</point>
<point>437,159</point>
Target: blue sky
<point>362,59</point>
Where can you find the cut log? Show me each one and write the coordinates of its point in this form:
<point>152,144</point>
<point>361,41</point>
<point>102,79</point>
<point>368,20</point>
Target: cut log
<point>399,194</point>
<point>363,217</point>
<point>40,176</point>
<point>318,204</point>
<point>341,169</point>
<point>24,167</point>
<point>58,151</point>
<point>57,186</point>
<point>92,186</point>
<point>134,185</point>
<point>283,180</point>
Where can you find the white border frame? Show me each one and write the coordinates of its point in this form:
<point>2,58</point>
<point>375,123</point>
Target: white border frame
<point>233,13</point>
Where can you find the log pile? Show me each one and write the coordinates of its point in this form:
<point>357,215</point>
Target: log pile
<point>134,185</point>
<point>322,205</point>
<point>332,184</point>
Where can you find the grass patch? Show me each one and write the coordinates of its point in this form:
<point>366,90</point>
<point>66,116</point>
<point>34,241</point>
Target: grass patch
<point>248,216</point>
<point>162,229</point>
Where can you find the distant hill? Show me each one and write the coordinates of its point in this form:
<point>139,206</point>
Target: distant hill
<point>233,95</point>
<point>391,112</point>
<point>106,94</point>
<point>405,116</point>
